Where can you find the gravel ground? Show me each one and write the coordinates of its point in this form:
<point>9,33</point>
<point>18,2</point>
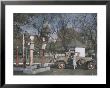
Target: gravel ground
<point>69,72</point>
<point>55,71</point>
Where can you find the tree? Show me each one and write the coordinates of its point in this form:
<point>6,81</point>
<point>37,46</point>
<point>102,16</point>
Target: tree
<point>67,26</point>
<point>89,31</point>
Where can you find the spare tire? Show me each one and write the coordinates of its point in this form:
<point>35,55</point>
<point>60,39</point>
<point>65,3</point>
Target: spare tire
<point>61,65</point>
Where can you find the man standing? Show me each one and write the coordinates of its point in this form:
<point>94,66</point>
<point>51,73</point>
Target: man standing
<point>74,60</point>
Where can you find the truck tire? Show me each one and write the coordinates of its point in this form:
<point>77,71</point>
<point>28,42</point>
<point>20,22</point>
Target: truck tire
<point>90,65</point>
<point>79,63</point>
<point>61,65</point>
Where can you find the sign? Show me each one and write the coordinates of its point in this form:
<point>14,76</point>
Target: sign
<point>31,46</point>
<point>81,51</point>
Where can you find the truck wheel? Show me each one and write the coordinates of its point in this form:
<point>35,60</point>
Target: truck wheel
<point>61,65</point>
<point>90,65</point>
<point>79,63</point>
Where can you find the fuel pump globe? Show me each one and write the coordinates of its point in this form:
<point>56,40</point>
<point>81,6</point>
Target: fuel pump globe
<point>32,38</point>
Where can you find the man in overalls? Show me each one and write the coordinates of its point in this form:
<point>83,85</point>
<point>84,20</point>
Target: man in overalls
<point>73,56</point>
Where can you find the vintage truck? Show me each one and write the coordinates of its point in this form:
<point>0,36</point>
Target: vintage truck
<point>65,61</point>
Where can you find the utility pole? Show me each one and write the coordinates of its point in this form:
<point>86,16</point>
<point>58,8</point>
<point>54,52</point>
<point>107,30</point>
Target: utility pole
<point>24,60</point>
<point>26,53</point>
<point>17,61</point>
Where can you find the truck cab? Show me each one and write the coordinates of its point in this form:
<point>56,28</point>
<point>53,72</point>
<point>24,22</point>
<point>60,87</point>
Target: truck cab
<point>81,60</point>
